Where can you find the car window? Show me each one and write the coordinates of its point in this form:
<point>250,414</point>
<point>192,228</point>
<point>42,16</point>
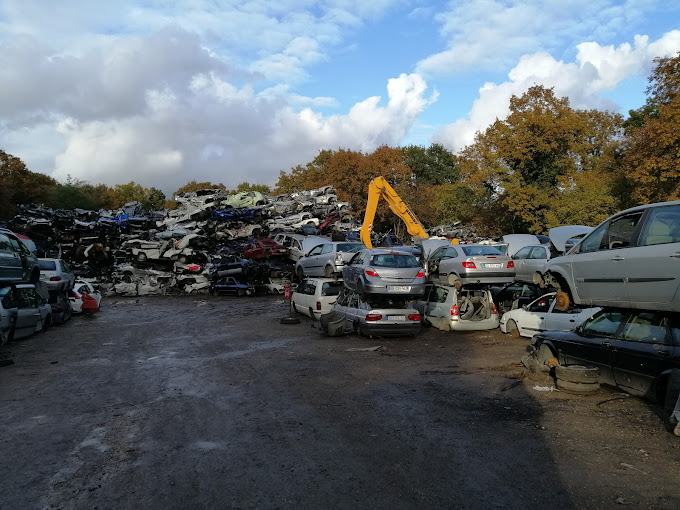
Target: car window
<point>523,253</point>
<point>47,265</point>
<point>349,247</point>
<point>541,305</point>
<point>538,252</point>
<point>394,260</point>
<point>437,254</point>
<point>620,231</point>
<point>327,248</point>
<point>646,327</point>
<point>439,295</point>
<point>317,250</point>
<point>26,298</point>
<point>353,301</point>
<point>450,252</point>
<point>662,227</point>
<point>593,240</point>
<point>8,298</point>
<point>476,251</point>
<point>331,288</point>
<point>605,323</point>
<point>5,244</point>
<point>311,287</point>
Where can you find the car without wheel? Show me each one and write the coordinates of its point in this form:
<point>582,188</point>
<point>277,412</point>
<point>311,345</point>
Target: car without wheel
<point>543,315</point>
<point>384,271</point>
<point>450,309</point>
<point>315,296</point>
<point>326,259</point>
<point>631,260</point>
<point>465,264</point>
<point>56,274</point>
<point>635,350</point>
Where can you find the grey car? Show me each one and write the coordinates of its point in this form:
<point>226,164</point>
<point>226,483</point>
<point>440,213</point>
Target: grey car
<point>449,309</point>
<point>376,315</point>
<point>56,274</point>
<point>326,259</point>
<point>631,260</point>
<point>17,263</point>
<point>384,271</point>
<point>469,264</point>
<point>529,261</point>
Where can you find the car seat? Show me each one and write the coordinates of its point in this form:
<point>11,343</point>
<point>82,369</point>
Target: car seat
<point>659,233</point>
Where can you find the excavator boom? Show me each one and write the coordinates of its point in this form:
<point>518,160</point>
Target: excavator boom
<point>380,188</point>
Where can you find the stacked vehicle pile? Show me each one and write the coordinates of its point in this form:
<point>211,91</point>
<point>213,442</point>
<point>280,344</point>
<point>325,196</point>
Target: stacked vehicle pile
<point>208,237</point>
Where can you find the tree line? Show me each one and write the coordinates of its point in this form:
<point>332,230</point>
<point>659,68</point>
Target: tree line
<point>546,164</point>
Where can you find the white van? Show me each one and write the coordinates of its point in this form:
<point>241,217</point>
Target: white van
<point>314,296</point>
<point>458,310</point>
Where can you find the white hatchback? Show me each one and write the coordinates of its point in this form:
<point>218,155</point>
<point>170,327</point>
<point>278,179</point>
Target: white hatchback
<point>76,295</point>
<point>314,296</point>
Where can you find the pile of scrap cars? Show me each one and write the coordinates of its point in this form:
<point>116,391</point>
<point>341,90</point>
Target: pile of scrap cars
<point>600,305</point>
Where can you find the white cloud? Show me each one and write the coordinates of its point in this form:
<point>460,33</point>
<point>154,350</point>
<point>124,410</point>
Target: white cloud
<point>492,34</point>
<point>597,68</point>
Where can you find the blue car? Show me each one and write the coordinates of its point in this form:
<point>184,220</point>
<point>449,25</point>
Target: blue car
<point>230,285</point>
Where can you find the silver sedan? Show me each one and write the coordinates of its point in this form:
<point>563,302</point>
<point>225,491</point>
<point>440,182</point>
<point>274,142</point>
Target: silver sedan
<point>384,271</point>
<point>469,264</point>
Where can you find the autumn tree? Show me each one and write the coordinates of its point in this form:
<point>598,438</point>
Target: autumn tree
<point>537,158</point>
<point>246,186</point>
<point>652,154</point>
<point>18,185</point>
<point>195,186</point>
<point>431,166</point>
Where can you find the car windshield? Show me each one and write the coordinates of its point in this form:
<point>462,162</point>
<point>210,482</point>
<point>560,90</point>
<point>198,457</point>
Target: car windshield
<point>47,265</point>
<point>394,260</point>
<point>474,251</point>
<point>350,247</point>
<point>331,288</point>
<point>604,324</point>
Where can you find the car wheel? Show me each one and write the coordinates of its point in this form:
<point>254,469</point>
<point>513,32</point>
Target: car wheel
<point>513,329</point>
<point>355,327</point>
<point>328,272</point>
<point>241,292</point>
<point>562,301</point>
<point>583,388</point>
<point>300,273</point>
<point>141,256</point>
<point>577,374</point>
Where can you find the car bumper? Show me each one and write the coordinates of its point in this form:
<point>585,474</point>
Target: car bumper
<point>462,325</point>
<point>407,329</point>
<point>376,288</point>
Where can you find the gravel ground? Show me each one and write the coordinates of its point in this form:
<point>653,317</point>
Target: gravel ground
<point>166,402</point>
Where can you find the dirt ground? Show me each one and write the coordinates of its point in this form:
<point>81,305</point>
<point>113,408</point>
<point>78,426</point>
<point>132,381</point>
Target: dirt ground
<point>166,402</point>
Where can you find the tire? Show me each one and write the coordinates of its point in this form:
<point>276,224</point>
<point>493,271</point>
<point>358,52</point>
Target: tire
<point>512,329</point>
<point>328,271</point>
<point>581,388</point>
<point>241,292</point>
<point>300,273</point>
<point>578,374</point>
<point>141,256</point>
<point>48,322</point>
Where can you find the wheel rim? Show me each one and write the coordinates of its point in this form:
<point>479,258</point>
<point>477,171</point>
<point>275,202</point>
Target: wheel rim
<point>562,301</point>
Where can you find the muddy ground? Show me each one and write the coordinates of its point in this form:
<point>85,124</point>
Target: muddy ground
<point>166,402</point>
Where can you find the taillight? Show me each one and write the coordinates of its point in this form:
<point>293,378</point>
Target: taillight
<point>511,264</point>
<point>414,317</point>
<point>454,311</point>
<point>75,296</point>
<point>318,305</point>
<point>371,272</point>
<point>372,317</point>
<point>495,310</point>
<point>469,265</point>
<point>420,275</point>
<point>55,278</point>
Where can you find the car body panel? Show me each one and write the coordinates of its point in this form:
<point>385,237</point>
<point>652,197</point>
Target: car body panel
<point>490,266</point>
<point>530,260</point>
<point>17,262</point>
<point>76,296</point>
<point>56,274</point>
<point>397,318</point>
<point>315,296</point>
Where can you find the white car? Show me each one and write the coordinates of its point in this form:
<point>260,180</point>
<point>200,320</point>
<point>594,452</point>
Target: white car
<point>543,315</point>
<point>315,296</point>
<point>76,295</point>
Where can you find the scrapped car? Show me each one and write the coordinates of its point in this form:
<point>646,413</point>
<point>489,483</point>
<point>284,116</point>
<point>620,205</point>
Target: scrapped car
<point>529,261</point>
<point>8,313</point>
<point>326,259</point>
<point>514,295</point>
<point>464,264</point>
<point>376,315</point>
<point>298,244</point>
<point>631,260</point>
<point>635,350</point>
<point>61,307</point>
<point>232,265</point>
<point>314,296</point>
<point>56,274</point>
<point>243,199</point>
<point>450,309</point>
<point>17,262</point>
<point>84,297</point>
<point>542,314</point>
<point>264,248</point>
<point>230,285</point>
<point>382,271</point>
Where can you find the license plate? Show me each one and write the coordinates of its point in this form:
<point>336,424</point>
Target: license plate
<point>396,317</point>
<point>492,265</point>
<point>399,288</point>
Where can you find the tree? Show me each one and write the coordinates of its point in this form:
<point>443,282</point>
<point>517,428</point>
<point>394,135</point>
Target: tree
<point>154,201</point>
<point>246,186</point>
<point>529,160</point>
<point>18,185</point>
<point>195,186</point>
<point>652,153</point>
<point>432,166</point>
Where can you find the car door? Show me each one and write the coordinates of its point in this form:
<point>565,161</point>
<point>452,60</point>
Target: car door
<point>353,269</point>
<point>598,268</point>
<point>520,259</point>
<point>535,262</point>
<point>10,260</point>
<point>531,322</point>
<point>352,312</point>
<point>312,262</point>
<point>558,320</point>
<point>28,314</point>
<point>652,266</point>
<point>643,352</point>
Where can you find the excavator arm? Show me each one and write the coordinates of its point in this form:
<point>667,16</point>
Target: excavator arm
<point>380,188</point>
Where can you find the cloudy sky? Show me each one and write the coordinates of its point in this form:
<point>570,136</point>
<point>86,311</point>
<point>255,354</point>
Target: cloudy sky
<point>162,92</point>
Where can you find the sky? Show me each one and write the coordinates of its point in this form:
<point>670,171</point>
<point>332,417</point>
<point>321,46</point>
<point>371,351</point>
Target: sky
<point>164,92</point>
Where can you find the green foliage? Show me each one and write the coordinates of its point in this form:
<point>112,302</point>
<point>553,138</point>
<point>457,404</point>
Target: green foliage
<point>246,186</point>
<point>18,185</point>
<point>432,166</point>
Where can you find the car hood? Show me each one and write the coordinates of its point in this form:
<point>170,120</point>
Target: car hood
<point>429,245</point>
<point>516,242</point>
<point>560,235</point>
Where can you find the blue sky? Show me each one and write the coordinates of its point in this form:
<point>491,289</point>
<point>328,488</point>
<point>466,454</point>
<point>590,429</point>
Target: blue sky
<point>161,93</point>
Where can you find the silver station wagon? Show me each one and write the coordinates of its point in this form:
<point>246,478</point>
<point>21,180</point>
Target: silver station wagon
<point>631,260</point>
<point>384,271</point>
<point>464,264</point>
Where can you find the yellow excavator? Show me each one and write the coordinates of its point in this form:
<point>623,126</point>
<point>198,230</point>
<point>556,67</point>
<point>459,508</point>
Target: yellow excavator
<point>380,188</point>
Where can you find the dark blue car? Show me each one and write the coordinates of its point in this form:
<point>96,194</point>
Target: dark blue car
<point>635,350</point>
<point>230,285</point>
